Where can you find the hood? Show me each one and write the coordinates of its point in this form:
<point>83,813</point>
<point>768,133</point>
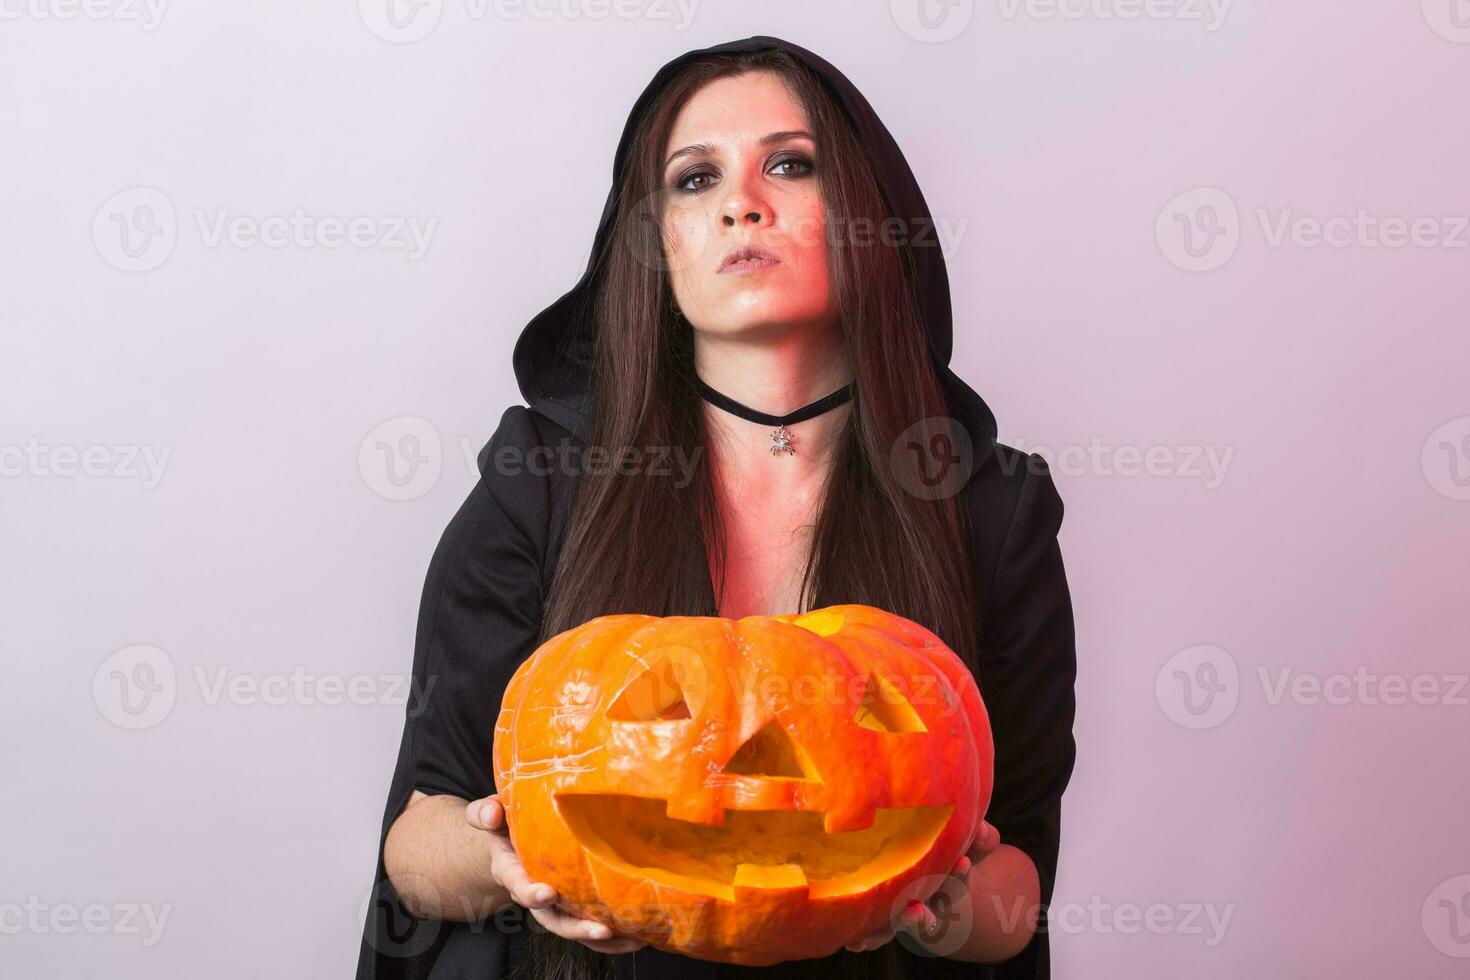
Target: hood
<point>554,355</point>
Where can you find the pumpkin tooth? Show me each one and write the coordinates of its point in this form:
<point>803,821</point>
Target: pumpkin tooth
<point>767,876</point>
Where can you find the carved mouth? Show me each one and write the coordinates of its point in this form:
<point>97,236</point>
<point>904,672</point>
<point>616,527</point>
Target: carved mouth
<point>766,849</point>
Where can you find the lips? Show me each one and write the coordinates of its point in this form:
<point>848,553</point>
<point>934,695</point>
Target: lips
<point>747,258</point>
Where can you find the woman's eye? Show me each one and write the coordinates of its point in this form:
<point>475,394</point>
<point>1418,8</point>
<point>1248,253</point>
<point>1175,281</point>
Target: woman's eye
<point>696,181</point>
<point>798,167</point>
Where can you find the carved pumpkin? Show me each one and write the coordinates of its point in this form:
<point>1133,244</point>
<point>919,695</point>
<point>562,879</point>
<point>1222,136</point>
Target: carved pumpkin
<point>746,791</point>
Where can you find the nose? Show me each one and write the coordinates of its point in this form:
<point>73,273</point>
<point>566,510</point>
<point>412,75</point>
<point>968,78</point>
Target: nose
<point>745,203</point>
<point>751,217</point>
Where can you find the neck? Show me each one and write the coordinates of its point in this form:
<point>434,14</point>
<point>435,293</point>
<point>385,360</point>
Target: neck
<point>776,376</point>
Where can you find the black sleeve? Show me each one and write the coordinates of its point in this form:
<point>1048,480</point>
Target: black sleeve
<point>1028,666</point>
<point>478,619</point>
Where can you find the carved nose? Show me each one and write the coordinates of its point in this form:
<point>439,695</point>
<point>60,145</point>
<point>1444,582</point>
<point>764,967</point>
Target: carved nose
<point>772,753</point>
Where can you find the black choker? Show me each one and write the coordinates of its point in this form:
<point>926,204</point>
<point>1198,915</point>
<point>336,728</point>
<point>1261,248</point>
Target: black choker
<point>780,438</point>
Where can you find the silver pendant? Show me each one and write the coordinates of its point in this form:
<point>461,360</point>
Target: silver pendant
<point>781,441</point>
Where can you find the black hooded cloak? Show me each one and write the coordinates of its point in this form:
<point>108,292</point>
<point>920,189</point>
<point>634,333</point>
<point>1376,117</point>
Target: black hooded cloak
<point>480,612</point>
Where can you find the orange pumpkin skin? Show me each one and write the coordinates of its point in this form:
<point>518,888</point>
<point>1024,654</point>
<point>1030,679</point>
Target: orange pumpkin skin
<point>746,791</point>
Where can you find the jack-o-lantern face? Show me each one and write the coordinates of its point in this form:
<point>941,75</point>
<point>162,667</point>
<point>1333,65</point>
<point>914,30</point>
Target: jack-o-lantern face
<point>747,791</point>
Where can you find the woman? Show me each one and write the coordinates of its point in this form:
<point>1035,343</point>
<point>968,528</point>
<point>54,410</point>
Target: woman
<point>764,249</point>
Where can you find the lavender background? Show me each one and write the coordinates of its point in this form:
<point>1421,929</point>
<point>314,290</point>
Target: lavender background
<point>1172,225</point>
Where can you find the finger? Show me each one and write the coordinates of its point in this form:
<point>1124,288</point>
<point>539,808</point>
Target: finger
<point>507,869</point>
<point>962,866</point>
<point>920,920</point>
<point>486,814</point>
<point>987,838</point>
<point>587,931</point>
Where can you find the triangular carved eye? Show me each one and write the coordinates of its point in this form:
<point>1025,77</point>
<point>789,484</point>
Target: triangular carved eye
<point>771,753</point>
<point>885,709</point>
<point>654,695</point>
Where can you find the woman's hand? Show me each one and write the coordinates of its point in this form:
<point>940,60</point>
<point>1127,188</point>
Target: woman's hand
<point>918,918</point>
<point>537,896</point>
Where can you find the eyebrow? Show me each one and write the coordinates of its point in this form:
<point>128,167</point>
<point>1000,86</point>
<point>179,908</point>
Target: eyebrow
<point>780,136</point>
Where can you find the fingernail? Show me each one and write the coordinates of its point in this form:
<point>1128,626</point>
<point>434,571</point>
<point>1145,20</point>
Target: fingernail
<point>601,932</point>
<point>485,814</point>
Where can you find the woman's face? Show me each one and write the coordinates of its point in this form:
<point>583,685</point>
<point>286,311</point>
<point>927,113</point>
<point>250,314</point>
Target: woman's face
<point>740,171</point>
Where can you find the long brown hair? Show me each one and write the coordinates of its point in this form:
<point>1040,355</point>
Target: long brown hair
<point>639,543</point>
